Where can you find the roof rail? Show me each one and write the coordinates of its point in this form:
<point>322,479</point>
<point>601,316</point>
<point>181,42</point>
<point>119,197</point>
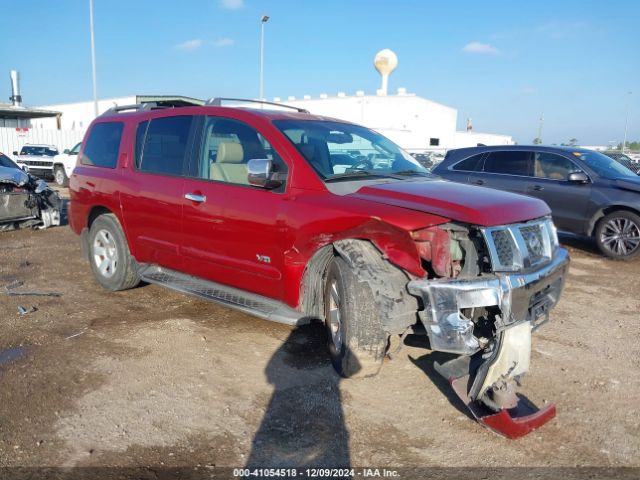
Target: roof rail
<point>218,103</point>
<point>136,107</point>
<point>157,103</point>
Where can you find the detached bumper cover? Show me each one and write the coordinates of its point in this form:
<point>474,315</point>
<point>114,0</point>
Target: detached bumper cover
<point>519,296</point>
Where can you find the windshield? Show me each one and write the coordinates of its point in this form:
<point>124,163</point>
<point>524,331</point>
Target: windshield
<point>604,166</point>
<point>38,151</point>
<point>7,162</point>
<point>339,150</point>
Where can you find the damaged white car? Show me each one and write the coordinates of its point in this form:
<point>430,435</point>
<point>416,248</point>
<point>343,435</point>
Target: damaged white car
<point>25,201</point>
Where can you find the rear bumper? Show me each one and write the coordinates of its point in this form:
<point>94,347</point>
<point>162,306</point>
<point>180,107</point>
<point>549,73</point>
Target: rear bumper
<point>519,296</point>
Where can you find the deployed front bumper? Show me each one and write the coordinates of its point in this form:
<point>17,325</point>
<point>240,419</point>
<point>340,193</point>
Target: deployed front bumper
<point>519,297</point>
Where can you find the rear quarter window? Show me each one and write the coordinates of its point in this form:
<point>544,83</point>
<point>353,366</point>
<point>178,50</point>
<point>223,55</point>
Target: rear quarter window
<point>103,145</point>
<point>471,164</point>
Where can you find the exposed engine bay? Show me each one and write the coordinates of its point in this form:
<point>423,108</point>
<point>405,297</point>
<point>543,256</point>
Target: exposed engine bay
<point>486,290</point>
<point>26,201</point>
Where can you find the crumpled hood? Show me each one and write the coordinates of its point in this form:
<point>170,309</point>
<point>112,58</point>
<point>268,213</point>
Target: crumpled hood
<point>14,176</point>
<point>464,203</point>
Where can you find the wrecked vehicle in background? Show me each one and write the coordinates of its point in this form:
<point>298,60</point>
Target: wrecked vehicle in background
<point>294,218</point>
<point>25,201</point>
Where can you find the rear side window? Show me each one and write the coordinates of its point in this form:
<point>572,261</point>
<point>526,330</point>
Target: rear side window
<point>471,164</point>
<point>508,163</point>
<point>161,145</point>
<point>103,145</point>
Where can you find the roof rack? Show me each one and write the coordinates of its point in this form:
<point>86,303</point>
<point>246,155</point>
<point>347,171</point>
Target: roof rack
<point>156,104</point>
<point>218,103</point>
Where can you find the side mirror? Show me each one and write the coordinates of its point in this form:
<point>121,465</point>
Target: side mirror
<point>578,177</point>
<point>66,151</point>
<point>15,153</point>
<point>260,173</point>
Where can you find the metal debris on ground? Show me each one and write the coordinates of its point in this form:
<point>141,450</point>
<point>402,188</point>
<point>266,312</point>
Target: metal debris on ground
<point>24,311</point>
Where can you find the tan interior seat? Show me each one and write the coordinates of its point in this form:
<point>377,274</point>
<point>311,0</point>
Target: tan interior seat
<point>229,165</point>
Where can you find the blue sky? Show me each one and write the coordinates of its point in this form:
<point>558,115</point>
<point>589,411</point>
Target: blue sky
<point>501,63</point>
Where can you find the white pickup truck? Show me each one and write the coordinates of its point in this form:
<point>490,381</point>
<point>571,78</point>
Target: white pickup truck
<point>64,164</point>
<point>37,158</point>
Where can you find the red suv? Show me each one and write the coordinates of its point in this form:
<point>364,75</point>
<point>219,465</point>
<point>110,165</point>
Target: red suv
<point>294,217</point>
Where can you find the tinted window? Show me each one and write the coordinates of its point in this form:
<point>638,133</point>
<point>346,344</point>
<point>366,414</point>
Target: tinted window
<point>75,149</point>
<point>227,147</point>
<point>471,164</point>
<point>164,146</point>
<point>7,162</point>
<point>510,163</point>
<point>552,166</point>
<point>103,144</point>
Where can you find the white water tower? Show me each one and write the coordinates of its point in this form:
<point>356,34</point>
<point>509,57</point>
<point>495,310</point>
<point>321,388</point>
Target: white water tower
<point>385,62</point>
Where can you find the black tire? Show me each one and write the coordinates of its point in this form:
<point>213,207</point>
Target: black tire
<point>360,349</point>
<point>617,235</point>
<point>60,176</point>
<point>108,244</point>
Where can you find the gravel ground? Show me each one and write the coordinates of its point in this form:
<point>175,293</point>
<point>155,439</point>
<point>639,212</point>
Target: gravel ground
<point>153,377</point>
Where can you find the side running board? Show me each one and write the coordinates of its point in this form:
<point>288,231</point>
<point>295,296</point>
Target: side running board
<point>246,302</point>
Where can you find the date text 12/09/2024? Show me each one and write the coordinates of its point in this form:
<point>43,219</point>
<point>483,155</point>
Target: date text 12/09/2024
<point>316,472</point>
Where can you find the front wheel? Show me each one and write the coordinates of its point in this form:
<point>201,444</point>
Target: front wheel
<point>618,235</point>
<point>357,340</point>
<point>60,176</point>
<point>111,263</point>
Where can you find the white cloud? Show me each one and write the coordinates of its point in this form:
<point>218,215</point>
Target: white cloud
<point>480,48</point>
<point>223,42</point>
<point>232,4</point>
<point>189,45</point>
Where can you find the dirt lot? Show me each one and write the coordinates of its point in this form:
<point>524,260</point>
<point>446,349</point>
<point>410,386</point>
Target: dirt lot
<point>153,377</point>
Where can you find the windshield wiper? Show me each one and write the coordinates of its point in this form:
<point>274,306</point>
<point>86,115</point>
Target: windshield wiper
<point>355,174</point>
<point>411,172</point>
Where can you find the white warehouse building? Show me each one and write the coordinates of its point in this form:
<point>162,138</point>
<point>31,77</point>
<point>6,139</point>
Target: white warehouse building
<point>415,123</point>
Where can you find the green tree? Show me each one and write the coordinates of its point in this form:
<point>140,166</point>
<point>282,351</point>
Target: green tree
<point>537,141</point>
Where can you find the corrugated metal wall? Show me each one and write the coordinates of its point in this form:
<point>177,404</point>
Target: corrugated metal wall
<point>12,139</point>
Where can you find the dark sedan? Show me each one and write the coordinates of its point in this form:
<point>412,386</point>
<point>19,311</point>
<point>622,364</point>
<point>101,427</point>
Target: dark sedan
<point>588,193</point>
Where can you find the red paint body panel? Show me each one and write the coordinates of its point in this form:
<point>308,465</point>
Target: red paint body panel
<point>227,238</point>
<point>465,203</point>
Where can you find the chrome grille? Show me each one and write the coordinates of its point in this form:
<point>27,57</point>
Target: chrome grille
<point>521,246</point>
<point>504,246</point>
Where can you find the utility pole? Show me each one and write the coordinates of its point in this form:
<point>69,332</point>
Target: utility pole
<point>263,20</point>
<point>626,122</point>
<point>93,60</point>
<point>540,127</point>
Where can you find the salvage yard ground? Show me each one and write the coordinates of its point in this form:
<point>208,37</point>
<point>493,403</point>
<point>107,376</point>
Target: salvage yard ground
<point>150,377</point>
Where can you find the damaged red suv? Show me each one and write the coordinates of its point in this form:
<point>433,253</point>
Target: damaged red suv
<point>294,217</point>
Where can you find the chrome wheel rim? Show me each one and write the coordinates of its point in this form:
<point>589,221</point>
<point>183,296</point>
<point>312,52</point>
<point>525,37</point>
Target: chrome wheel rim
<point>620,236</point>
<point>105,253</point>
<point>59,177</point>
<point>334,316</point>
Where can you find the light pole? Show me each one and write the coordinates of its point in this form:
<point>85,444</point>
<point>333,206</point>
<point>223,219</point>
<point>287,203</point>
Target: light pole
<point>263,20</point>
<point>626,122</point>
<point>93,60</point>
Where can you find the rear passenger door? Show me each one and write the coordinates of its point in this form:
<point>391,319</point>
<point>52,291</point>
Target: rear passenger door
<point>152,192</point>
<point>504,170</point>
<point>233,233</point>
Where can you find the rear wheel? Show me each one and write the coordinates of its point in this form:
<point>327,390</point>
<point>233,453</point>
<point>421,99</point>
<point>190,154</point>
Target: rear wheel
<point>618,234</point>
<point>60,176</point>
<point>357,340</point>
<point>111,263</point>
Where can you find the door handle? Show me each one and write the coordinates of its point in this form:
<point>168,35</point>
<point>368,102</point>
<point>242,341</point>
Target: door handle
<point>478,182</point>
<point>194,197</point>
<point>537,188</point>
